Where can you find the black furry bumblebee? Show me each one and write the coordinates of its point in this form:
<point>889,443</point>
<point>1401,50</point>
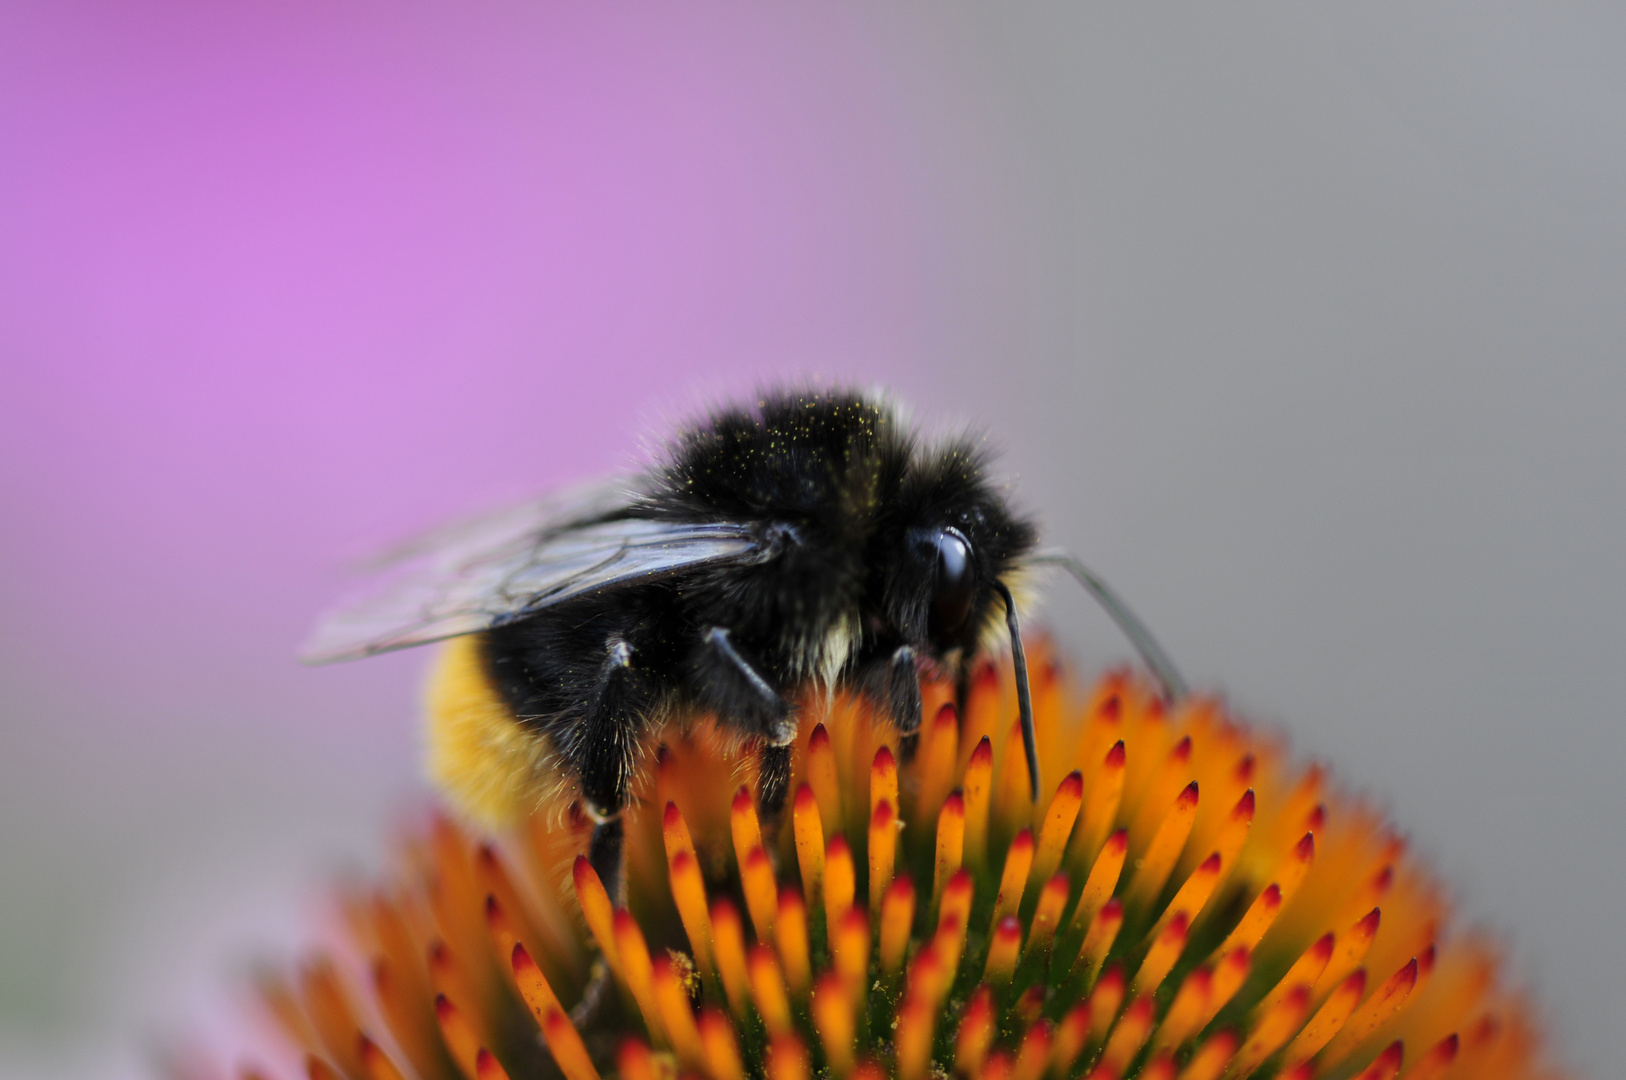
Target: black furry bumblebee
<point>813,540</point>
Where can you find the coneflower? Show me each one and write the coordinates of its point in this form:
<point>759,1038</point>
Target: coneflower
<point>1183,903</point>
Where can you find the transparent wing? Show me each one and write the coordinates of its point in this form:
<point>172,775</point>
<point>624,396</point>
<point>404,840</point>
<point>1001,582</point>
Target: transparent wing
<point>502,566</point>
<point>492,529</point>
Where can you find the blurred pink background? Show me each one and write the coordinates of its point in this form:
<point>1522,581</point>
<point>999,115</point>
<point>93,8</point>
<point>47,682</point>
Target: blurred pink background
<point>1304,327</point>
<point>283,281</point>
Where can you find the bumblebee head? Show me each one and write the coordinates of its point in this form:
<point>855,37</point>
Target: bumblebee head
<point>954,543</point>
<point>951,542</point>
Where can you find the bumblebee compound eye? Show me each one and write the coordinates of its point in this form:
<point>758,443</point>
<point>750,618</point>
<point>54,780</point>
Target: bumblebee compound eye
<point>955,584</point>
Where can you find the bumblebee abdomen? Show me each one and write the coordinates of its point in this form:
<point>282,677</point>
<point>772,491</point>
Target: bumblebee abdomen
<point>494,769</point>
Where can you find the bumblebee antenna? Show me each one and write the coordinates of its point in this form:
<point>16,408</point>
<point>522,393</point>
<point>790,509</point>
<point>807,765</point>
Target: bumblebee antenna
<point>1024,697</point>
<point>1151,653</point>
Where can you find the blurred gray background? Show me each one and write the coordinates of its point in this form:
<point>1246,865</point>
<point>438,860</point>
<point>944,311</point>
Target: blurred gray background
<point>1304,325</point>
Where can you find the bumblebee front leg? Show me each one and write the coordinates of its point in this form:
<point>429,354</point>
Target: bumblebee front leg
<point>730,685</point>
<point>893,683</point>
<point>604,759</point>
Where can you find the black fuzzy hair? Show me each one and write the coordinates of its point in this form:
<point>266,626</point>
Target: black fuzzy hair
<point>852,509</point>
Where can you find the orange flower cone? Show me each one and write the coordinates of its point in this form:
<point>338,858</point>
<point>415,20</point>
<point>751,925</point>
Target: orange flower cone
<point>1183,903</point>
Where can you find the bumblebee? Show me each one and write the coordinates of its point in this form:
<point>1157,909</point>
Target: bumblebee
<point>812,541</point>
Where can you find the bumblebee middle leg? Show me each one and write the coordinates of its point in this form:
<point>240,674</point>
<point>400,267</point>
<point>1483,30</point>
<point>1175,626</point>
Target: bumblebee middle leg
<point>728,684</point>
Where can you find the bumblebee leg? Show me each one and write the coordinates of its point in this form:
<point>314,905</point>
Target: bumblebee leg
<point>604,748</point>
<point>962,691</point>
<point>604,852</point>
<point>773,783</point>
<point>891,681</point>
<point>604,745</point>
<point>894,684</point>
<point>726,683</point>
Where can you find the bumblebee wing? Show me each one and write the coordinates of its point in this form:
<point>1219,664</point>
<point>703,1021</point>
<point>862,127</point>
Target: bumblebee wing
<point>506,565</point>
<point>493,529</point>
